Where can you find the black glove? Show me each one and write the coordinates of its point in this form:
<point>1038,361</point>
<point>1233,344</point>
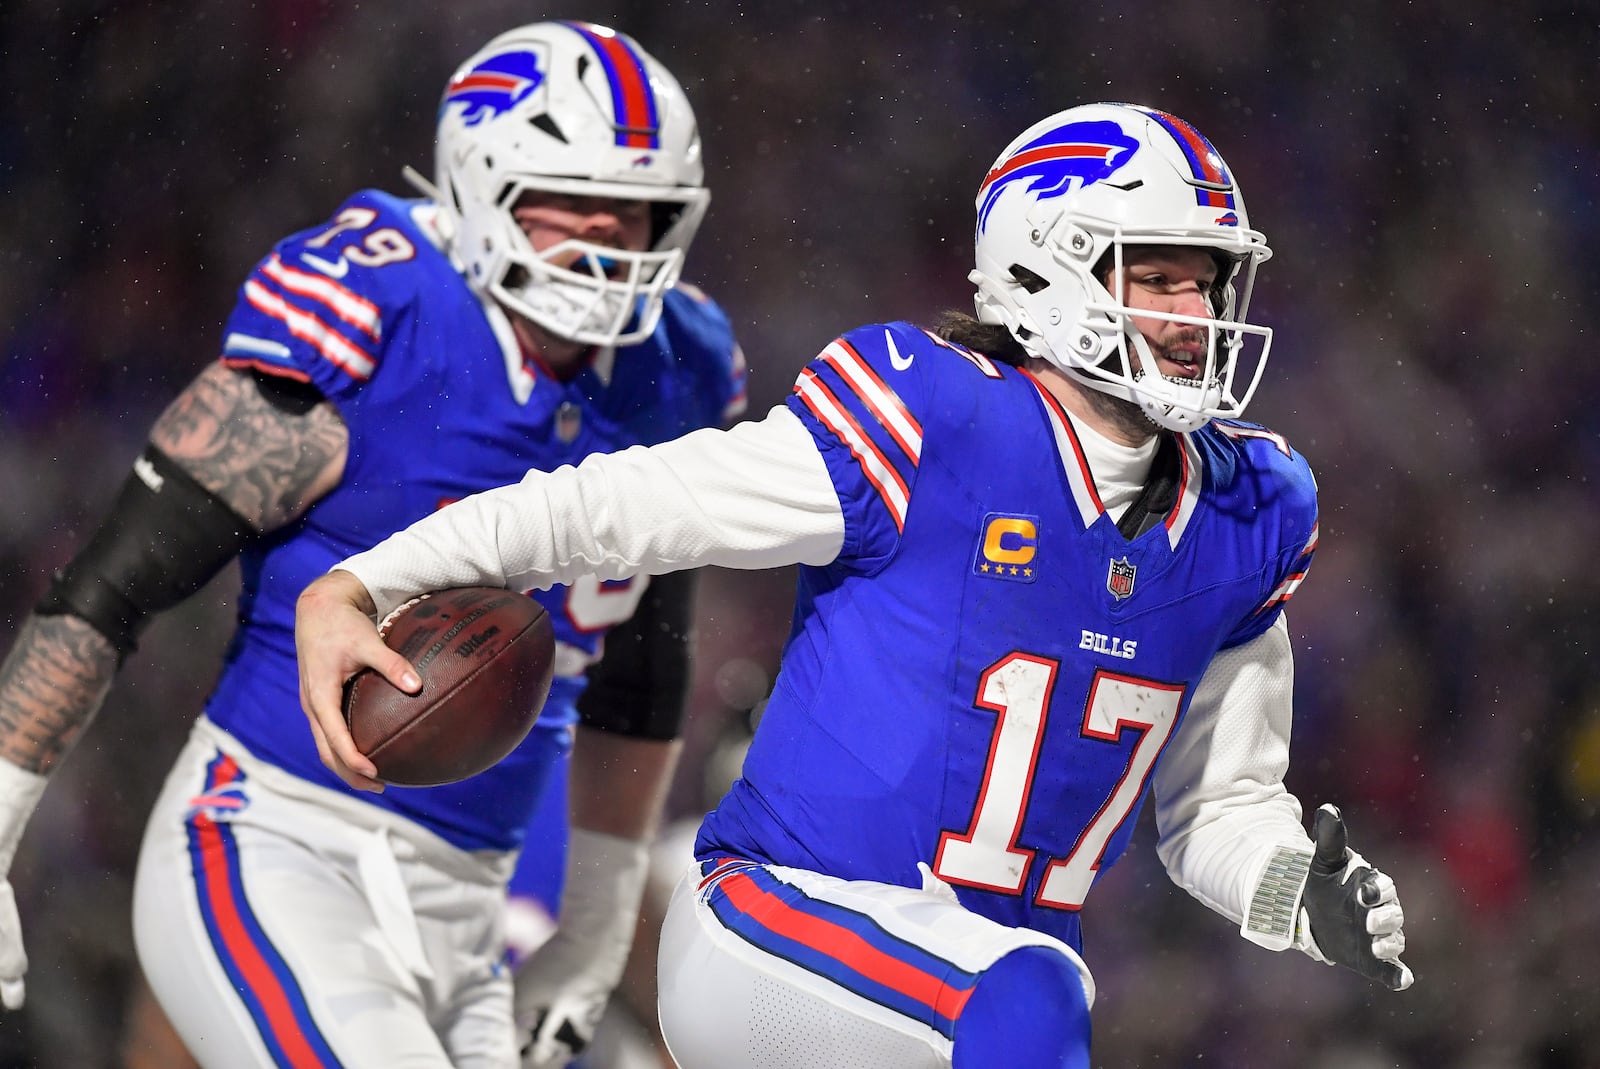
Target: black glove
<point>1350,914</point>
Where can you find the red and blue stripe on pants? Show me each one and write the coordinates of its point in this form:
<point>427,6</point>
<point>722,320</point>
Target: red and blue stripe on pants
<point>257,971</point>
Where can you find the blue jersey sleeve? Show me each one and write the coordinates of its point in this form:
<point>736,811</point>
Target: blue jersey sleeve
<point>696,324</point>
<point>865,399</point>
<point>1280,479</point>
<point>321,305</point>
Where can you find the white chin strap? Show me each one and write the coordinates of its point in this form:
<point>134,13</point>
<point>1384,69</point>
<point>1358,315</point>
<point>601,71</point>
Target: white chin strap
<point>591,297</point>
<point>1176,405</point>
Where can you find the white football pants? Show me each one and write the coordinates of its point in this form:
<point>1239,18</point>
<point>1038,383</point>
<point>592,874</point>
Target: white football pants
<point>283,924</point>
<point>765,967</point>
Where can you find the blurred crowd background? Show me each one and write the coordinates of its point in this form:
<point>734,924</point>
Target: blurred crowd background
<point>1426,172</point>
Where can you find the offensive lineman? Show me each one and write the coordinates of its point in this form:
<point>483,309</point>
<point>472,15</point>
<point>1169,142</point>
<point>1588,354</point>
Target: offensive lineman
<point>1045,569</point>
<point>404,354</point>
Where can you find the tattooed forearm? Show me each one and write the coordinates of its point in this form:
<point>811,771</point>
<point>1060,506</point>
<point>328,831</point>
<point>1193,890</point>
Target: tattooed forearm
<point>51,686</point>
<point>267,464</point>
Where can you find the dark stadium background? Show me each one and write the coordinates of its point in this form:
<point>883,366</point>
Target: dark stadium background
<point>1426,173</point>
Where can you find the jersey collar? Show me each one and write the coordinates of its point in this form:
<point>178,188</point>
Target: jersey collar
<point>1080,479</point>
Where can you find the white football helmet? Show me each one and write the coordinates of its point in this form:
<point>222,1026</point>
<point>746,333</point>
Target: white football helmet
<point>568,107</point>
<point>1058,208</point>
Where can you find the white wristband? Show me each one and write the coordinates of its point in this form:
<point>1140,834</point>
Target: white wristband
<point>606,877</point>
<point>20,791</point>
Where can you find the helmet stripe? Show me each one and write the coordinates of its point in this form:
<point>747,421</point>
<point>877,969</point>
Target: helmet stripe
<point>632,100</point>
<point>1205,162</point>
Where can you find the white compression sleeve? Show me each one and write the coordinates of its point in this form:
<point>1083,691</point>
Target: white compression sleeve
<point>755,496</point>
<point>1230,831</point>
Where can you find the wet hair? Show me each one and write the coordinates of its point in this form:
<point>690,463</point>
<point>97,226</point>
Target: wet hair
<point>991,339</point>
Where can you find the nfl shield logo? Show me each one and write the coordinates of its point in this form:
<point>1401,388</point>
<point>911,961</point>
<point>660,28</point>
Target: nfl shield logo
<point>569,421</point>
<point>1119,580</point>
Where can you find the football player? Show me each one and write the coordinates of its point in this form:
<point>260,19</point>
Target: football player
<point>525,313</point>
<point>1045,570</point>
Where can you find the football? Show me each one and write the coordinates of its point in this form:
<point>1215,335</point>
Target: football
<point>485,657</point>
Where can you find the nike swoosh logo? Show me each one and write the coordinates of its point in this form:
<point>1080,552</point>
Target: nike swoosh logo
<point>900,363</point>
<point>333,269</point>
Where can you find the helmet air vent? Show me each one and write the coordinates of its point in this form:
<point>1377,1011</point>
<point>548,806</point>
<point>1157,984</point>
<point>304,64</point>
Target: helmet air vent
<point>544,122</point>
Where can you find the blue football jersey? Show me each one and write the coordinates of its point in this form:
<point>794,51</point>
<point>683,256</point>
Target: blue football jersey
<point>440,404</point>
<point>985,677</point>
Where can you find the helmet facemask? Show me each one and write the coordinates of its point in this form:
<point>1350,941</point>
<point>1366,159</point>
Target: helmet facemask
<point>583,291</point>
<point>1111,353</point>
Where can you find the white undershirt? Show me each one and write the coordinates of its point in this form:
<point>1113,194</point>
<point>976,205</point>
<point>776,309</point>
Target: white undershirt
<point>1119,470</point>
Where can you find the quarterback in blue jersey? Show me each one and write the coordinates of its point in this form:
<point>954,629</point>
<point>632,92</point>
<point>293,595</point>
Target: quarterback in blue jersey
<point>1045,564</point>
<point>406,353</point>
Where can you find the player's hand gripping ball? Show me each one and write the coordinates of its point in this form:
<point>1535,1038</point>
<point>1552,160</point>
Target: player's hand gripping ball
<point>485,657</point>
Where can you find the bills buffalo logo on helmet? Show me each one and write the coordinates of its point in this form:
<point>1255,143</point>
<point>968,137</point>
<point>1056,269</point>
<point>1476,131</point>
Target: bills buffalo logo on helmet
<point>1066,158</point>
<point>494,86</point>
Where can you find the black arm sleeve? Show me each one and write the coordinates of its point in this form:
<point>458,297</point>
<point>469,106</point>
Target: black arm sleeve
<point>286,394</point>
<point>164,538</point>
<point>641,683</point>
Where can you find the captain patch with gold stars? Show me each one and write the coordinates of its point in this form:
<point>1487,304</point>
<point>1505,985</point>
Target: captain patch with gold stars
<point>1007,546</point>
